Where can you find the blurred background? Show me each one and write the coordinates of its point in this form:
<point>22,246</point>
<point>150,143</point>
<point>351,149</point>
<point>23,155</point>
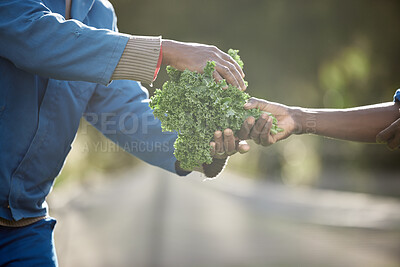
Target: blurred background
<point>307,201</point>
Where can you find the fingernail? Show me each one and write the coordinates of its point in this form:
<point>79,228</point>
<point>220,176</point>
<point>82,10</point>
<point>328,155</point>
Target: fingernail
<point>228,132</point>
<point>250,120</point>
<point>217,134</point>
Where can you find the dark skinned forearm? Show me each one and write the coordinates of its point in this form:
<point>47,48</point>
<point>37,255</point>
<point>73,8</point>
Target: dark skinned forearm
<point>360,124</point>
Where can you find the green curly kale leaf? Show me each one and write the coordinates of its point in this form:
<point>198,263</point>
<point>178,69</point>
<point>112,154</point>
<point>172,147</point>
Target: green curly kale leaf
<point>195,106</point>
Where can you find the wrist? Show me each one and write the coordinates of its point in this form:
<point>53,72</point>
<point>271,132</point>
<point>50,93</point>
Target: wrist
<point>306,121</point>
<point>168,47</point>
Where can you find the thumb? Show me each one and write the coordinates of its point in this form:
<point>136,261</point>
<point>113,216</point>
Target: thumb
<point>254,103</point>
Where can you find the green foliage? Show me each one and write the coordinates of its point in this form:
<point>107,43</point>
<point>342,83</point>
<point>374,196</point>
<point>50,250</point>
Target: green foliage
<point>234,54</point>
<point>195,106</point>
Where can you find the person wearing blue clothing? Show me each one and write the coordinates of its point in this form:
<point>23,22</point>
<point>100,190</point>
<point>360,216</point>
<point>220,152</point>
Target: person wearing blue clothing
<point>64,60</point>
<point>379,123</point>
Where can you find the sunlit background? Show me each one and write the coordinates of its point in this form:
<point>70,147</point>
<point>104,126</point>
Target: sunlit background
<point>307,201</point>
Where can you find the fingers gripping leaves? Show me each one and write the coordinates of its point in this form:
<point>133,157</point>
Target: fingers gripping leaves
<point>195,106</point>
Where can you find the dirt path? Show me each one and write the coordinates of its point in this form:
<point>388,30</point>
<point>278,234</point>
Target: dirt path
<point>148,217</point>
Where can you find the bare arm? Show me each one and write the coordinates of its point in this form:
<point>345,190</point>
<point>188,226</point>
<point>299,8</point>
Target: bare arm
<point>361,124</point>
<point>355,124</point>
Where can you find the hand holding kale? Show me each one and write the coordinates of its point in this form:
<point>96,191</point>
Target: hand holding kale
<point>195,106</point>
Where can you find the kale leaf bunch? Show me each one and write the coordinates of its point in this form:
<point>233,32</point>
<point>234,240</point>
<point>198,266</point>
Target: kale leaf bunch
<point>195,106</point>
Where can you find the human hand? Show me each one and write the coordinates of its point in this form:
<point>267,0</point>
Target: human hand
<point>390,136</point>
<point>226,144</point>
<point>260,131</point>
<point>193,56</point>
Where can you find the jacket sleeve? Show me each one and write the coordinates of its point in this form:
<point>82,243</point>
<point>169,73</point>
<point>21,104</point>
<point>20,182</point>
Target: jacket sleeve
<point>41,42</point>
<point>122,113</point>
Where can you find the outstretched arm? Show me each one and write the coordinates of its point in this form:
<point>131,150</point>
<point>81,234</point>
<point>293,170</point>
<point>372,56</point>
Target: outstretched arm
<point>42,42</point>
<point>355,124</point>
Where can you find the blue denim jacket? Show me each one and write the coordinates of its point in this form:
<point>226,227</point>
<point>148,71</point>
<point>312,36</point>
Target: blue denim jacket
<point>53,72</point>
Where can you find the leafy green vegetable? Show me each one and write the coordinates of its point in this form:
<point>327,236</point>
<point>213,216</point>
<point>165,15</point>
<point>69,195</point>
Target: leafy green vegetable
<point>195,106</point>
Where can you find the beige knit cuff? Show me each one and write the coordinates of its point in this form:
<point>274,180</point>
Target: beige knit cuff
<point>139,59</point>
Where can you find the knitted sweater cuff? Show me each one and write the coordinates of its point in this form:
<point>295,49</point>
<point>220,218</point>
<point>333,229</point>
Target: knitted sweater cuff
<point>139,59</point>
